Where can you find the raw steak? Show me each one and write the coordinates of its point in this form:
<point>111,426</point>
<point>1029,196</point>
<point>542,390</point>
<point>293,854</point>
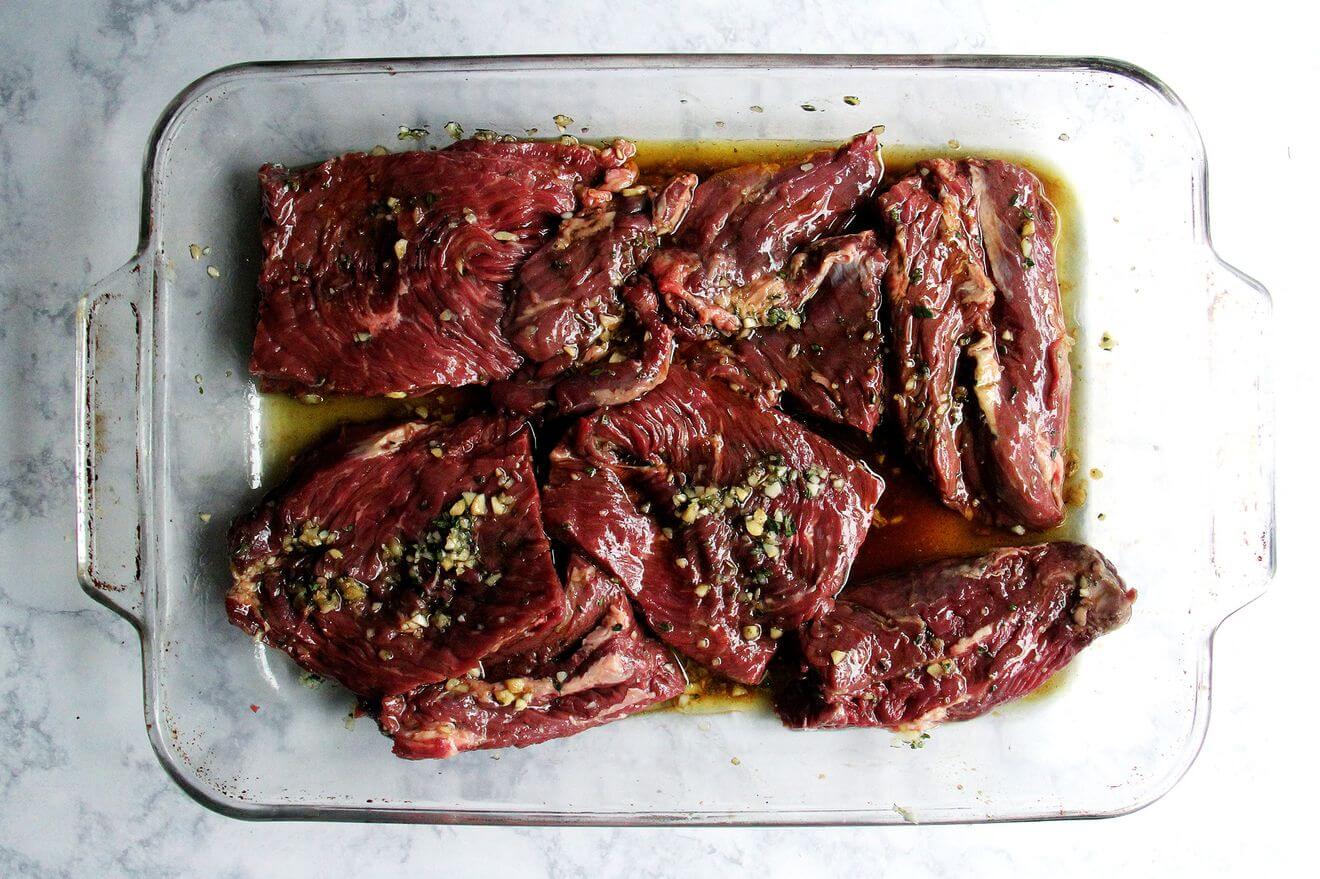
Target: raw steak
<point>398,557</point>
<point>606,668</point>
<point>951,640</point>
<point>727,523</point>
<point>829,359</point>
<point>980,350</point>
<point>600,341</point>
<point>385,274</point>
<point>732,262</point>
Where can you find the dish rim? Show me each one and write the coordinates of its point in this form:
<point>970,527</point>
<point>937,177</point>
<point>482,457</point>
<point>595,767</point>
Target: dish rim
<point>141,265</point>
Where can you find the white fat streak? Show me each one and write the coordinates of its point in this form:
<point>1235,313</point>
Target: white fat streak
<point>390,440</point>
<point>965,644</point>
<point>581,227</point>
<point>988,375</point>
<point>608,670</point>
<point>933,717</point>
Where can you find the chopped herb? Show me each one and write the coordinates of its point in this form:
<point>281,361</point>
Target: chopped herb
<point>779,316</point>
<point>618,627</point>
<point>923,312</point>
<point>406,133</point>
<point>916,275</point>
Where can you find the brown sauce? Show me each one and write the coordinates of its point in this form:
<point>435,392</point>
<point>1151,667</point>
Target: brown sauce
<point>910,526</point>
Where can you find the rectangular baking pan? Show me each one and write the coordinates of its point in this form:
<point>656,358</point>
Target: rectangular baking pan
<point>1173,408</point>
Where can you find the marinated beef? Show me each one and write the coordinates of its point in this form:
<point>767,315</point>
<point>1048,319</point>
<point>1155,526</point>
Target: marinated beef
<point>734,260</point>
<point>386,274</point>
<point>982,381</point>
<point>727,523</point>
<point>599,667</point>
<point>575,319</point>
<point>401,556</point>
<point>413,562</point>
<point>829,360</point>
<point>954,639</point>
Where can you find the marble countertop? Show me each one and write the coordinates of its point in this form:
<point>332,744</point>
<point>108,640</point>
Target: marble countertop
<point>81,84</point>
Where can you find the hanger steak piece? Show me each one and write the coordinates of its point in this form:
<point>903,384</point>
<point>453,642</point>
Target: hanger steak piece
<point>829,360</point>
<point>952,640</point>
<point>600,668</point>
<point>726,522</point>
<point>401,556</point>
<point>981,376</point>
<point>386,274</point>
<point>734,260</point>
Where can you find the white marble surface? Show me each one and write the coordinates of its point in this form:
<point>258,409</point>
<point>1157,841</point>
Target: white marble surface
<point>81,84</point>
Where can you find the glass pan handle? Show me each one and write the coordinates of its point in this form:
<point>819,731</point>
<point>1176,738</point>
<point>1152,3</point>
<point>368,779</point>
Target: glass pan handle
<point>108,433</point>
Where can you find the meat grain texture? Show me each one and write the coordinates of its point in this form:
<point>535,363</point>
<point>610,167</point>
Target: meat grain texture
<point>592,332</point>
<point>829,359</point>
<point>952,640</point>
<point>400,556</point>
<point>727,523</point>
<point>599,668</point>
<point>386,274</point>
<point>692,330</point>
<point>734,260</point>
<point>981,369</point>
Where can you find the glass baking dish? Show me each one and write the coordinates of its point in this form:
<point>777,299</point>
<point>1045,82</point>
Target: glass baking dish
<point>1173,408</point>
